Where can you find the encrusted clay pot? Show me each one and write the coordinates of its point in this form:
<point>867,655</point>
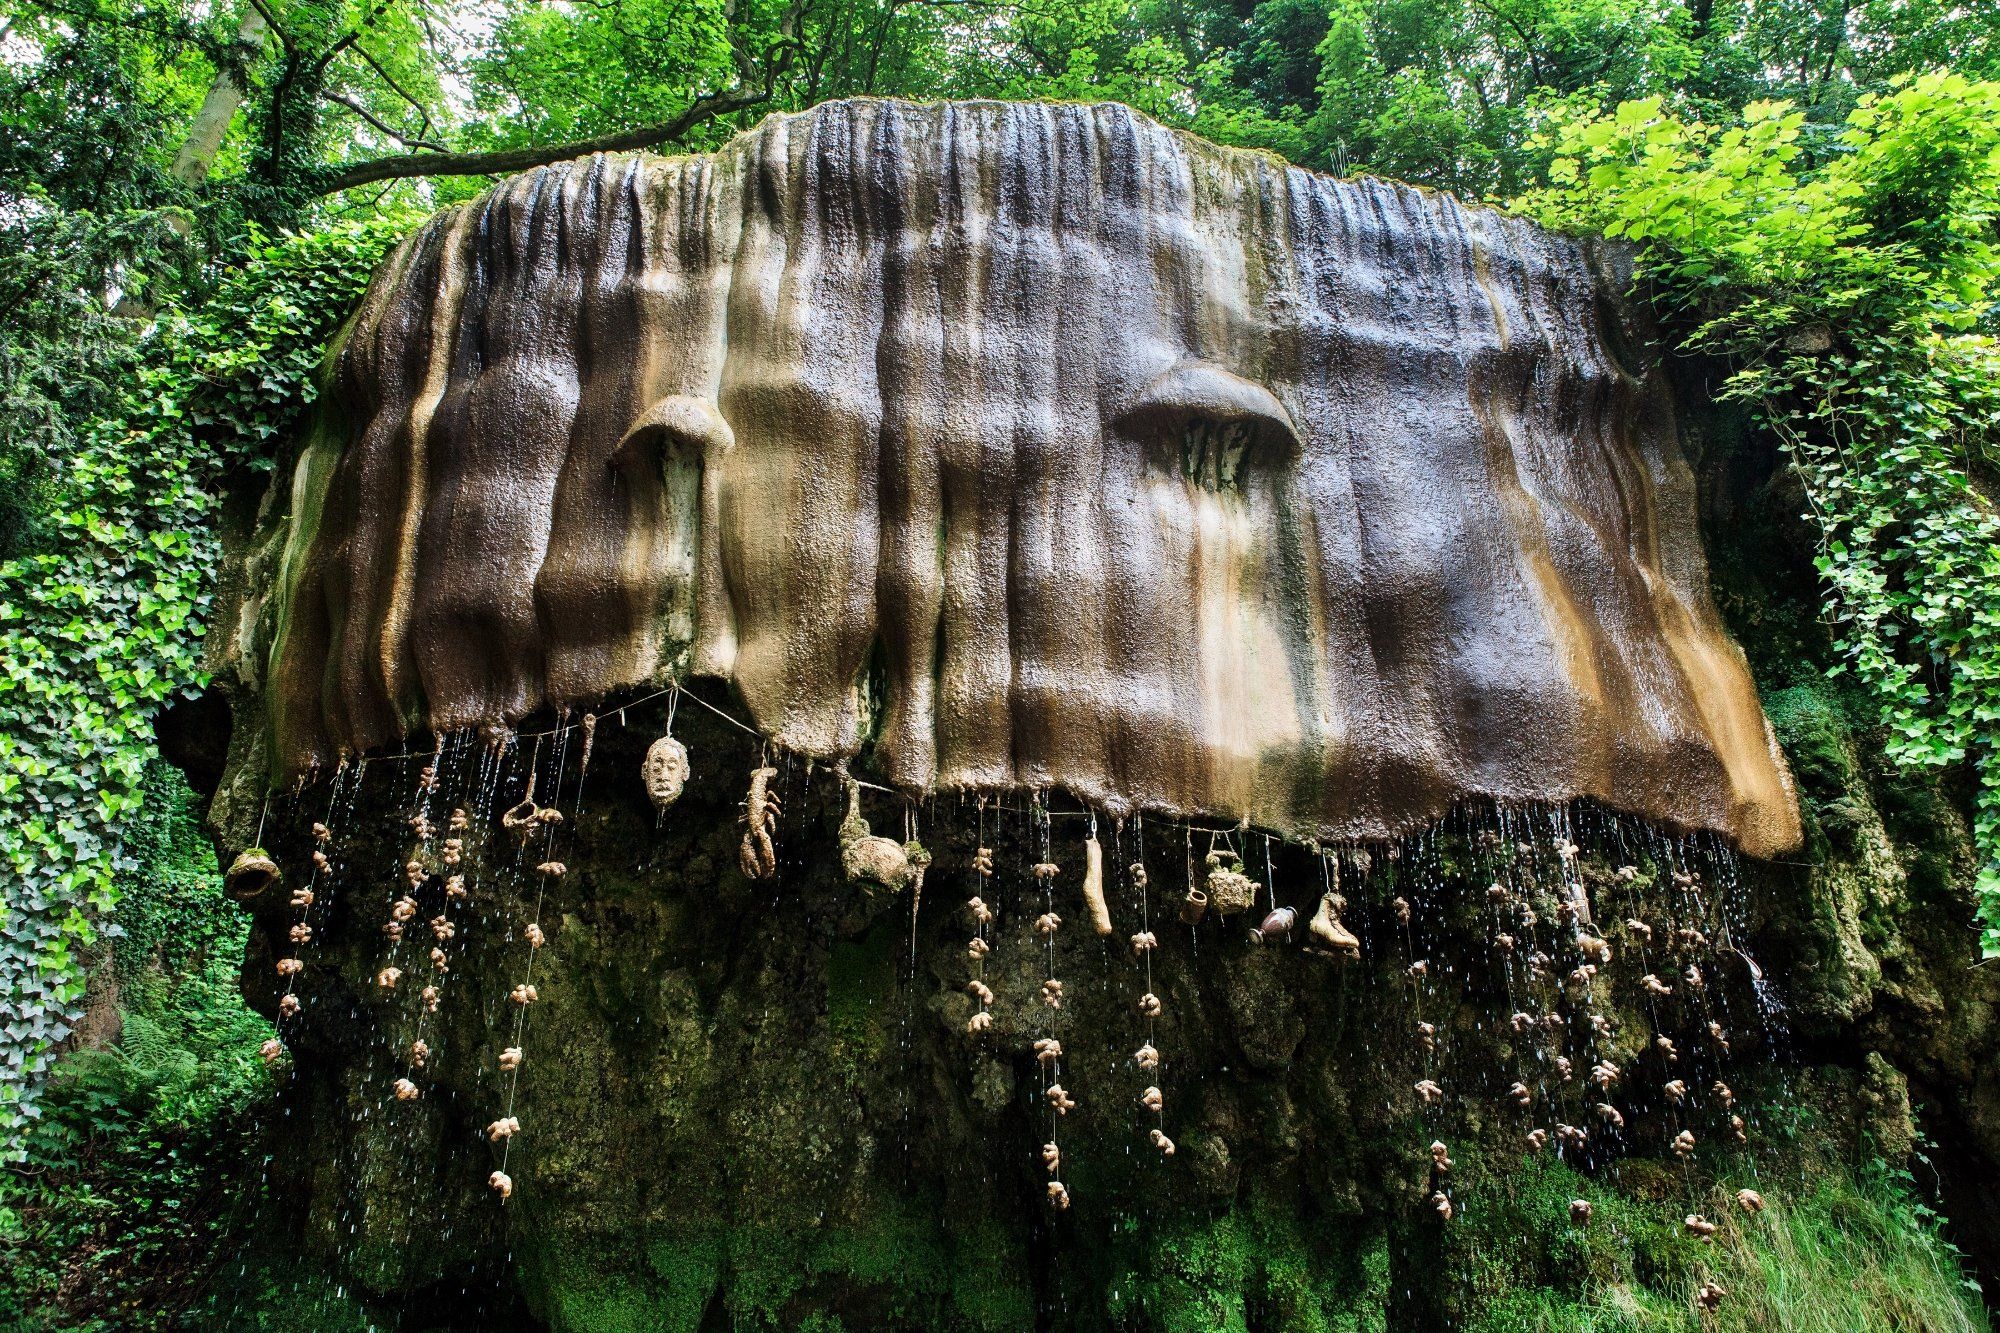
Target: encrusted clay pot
<point>250,874</point>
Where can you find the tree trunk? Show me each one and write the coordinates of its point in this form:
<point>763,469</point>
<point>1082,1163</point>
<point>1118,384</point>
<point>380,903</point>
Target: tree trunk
<point>211,123</point>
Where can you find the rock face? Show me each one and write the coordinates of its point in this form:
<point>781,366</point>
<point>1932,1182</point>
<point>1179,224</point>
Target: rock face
<point>1024,446</point>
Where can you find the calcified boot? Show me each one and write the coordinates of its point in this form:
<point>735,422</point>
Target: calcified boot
<point>1326,933</point>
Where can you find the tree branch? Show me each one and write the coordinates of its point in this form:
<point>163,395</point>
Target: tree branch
<point>778,58</point>
<point>414,165</point>
<point>342,100</point>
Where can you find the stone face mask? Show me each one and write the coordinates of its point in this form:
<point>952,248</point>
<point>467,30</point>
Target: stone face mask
<point>1025,445</point>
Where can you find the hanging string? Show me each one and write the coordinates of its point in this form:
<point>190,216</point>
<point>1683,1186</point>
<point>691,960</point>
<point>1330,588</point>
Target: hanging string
<point>523,994</point>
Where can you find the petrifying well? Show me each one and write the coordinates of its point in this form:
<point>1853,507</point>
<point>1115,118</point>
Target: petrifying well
<point>1024,445</point>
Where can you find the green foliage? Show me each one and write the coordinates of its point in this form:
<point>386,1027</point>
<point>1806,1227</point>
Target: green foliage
<point>1851,291</point>
<point>101,623</point>
<point>126,1184</point>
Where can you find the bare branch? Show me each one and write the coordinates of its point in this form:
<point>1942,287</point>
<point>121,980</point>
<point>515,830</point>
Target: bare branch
<point>341,99</point>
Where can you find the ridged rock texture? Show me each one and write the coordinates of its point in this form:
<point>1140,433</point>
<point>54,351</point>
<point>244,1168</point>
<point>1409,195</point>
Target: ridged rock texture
<point>1026,445</point>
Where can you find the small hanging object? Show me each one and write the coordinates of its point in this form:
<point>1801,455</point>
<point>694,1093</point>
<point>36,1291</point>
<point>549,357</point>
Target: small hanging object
<point>1194,907</point>
<point>1402,906</point>
<point>1537,1140</point>
<point>272,1051</point>
<point>288,1006</point>
<point>1277,925</point>
<point>1723,1094</point>
<point>502,1184</point>
<point>1441,1205</point>
<point>1162,1142</point>
<point>1604,1074</point>
<point>1628,873</point>
<point>1420,969</point>
<point>1601,1025</point>
<point>1563,1068</point>
<point>442,928</point>
<point>301,933</point>
<point>1230,891</point>
<point>1655,986</point>
<point>510,1059</point>
<point>1675,1090</point>
<point>506,1127</point>
<point>1711,1295</point>
<point>1699,1226</point>
<point>407,1091</point>
<point>1567,850</point>
<point>1721,1037</point>
<point>429,995</point>
<point>1684,1143</point>
<point>420,1051</point>
<point>981,914</point>
<point>321,863</point>
<point>523,995</point>
<point>1440,1157</point>
<point>413,870</point>
<point>1153,1100</point>
<point>321,833</point>
<point>252,872</point>
<point>1523,1022</point>
<point>1048,1050</point>
<point>403,909</point>
<point>1691,938</point>
<point>1058,1196</point>
<point>1427,1036</point>
<point>1059,1099</point>
<point>979,991</point>
<point>1503,943</point>
<point>388,977</point>
<point>1685,880</point>
<point>458,822</point>
<point>977,948</point>
<point>871,862</point>
<point>1496,893</point>
<point>1571,1136</point>
<point>552,869</point>
<point>454,887</point>
<point>1580,977</point>
<point>664,771</point>
<point>1147,1056</point>
<point>1579,1212</point>
<point>1428,1090</point>
<point>1144,943</point>
<point>302,897</point>
<point>759,854</point>
<point>1594,947</point>
<point>1736,1129</point>
<point>1750,1201</point>
<point>1522,1094</point>
<point>1047,924</point>
<point>1639,930</point>
<point>454,851</point>
<point>1610,1115</point>
<point>520,818</point>
<point>1149,1005</point>
<point>421,827</point>
<point>1093,885</point>
<point>1052,993</point>
<point>1692,977</point>
<point>533,934</point>
<point>978,1023</point>
<point>438,959</point>
<point>1051,1158</point>
<point>548,815</point>
<point>393,930</point>
<point>1326,934</point>
<point>1666,1046</point>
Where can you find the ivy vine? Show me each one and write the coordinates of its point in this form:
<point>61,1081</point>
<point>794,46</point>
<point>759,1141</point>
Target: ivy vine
<point>1853,289</point>
<point>101,623</point>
